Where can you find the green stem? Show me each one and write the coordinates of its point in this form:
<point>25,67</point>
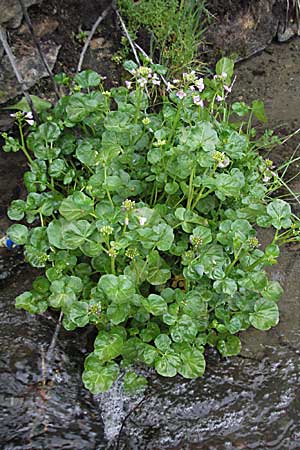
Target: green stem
<point>23,143</point>
<point>201,196</point>
<point>106,190</point>
<point>191,189</point>
<point>138,105</point>
<point>236,258</point>
<point>175,123</point>
<point>112,265</point>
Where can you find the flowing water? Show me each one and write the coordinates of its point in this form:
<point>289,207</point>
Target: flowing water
<point>247,402</point>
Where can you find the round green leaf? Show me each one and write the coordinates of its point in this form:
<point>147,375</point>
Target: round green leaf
<point>98,377</point>
<point>155,305</point>
<point>230,346</point>
<point>193,363</point>
<point>16,210</point>
<point>265,316</point>
<point>168,364</point>
<point>18,234</point>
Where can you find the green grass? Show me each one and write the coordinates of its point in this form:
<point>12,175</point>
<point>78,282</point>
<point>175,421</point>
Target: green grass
<point>175,29</point>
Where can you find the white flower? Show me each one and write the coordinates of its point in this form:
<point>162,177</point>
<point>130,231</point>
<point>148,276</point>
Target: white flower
<point>224,75</point>
<point>219,98</point>
<point>128,84</point>
<point>126,221</point>
<point>142,220</point>
<point>29,115</point>
<point>169,86</point>
<point>227,88</point>
<point>155,80</point>
<point>30,122</point>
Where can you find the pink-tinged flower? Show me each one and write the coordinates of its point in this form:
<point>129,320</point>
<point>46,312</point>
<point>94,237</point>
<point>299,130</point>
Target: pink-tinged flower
<point>227,88</point>
<point>200,84</point>
<point>224,75</point>
<point>224,163</point>
<point>219,98</point>
<point>180,94</point>
<point>128,84</point>
<point>197,101</point>
<point>175,81</point>
<point>30,121</point>
<point>192,88</point>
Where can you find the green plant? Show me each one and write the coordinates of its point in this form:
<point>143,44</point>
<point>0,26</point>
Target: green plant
<point>144,220</point>
<point>175,29</point>
<point>81,36</point>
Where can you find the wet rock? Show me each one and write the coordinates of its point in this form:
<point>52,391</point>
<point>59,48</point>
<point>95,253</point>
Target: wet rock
<point>11,11</point>
<point>42,405</point>
<point>30,66</point>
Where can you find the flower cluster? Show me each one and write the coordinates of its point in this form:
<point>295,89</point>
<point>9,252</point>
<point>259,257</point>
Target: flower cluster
<point>221,159</point>
<point>144,76</point>
<point>20,116</point>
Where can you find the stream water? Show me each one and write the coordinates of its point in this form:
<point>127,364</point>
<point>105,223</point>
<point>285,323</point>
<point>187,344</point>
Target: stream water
<point>247,402</point>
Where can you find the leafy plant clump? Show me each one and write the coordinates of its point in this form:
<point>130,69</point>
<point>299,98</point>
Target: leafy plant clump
<point>144,220</point>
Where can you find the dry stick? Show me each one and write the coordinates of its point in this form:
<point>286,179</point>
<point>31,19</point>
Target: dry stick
<point>19,77</point>
<point>92,32</point>
<point>38,46</point>
<point>128,36</point>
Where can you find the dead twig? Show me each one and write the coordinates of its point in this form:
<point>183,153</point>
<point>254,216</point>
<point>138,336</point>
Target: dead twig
<point>19,77</point>
<point>133,409</point>
<point>38,46</point>
<point>127,35</point>
<point>89,38</point>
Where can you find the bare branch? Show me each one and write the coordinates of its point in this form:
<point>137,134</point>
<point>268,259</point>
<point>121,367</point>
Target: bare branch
<point>19,77</point>
<point>92,32</point>
<point>38,46</point>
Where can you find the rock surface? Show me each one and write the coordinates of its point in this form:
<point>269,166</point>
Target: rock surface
<point>29,65</point>
<point>244,27</point>
<point>11,12</point>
